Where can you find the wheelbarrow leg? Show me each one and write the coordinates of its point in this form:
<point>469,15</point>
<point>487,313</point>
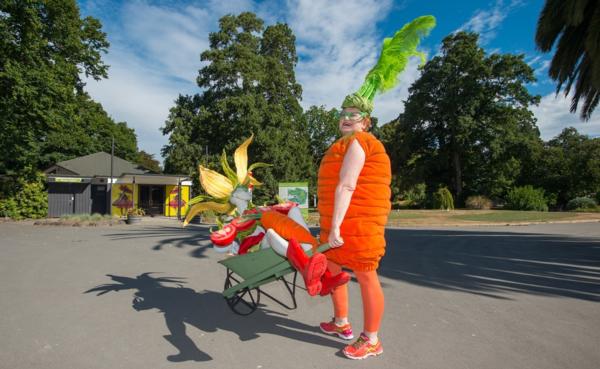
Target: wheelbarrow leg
<point>243,302</point>
<point>291,287</point>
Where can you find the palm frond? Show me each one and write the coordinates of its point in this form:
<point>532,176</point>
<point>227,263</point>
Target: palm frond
<point>575,24</point>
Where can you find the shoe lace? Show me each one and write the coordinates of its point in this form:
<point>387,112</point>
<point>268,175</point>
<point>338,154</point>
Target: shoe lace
<point>333,322</point>
<point>359,342</point>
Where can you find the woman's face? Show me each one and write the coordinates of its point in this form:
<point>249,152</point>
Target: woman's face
<point>351,121</point>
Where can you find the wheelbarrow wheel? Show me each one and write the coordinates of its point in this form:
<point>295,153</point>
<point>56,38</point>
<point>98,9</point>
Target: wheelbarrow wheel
<point>245,301</point>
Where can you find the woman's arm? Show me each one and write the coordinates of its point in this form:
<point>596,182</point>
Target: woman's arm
<point>353,163</point>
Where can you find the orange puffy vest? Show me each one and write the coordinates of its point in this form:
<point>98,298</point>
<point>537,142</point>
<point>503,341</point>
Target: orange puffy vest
<point>364,224</point>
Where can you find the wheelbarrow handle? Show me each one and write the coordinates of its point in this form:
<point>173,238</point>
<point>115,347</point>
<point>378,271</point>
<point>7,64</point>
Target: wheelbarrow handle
<point>321,248</point>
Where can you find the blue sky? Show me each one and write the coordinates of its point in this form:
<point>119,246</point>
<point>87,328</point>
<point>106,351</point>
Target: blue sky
<point>155,48</point>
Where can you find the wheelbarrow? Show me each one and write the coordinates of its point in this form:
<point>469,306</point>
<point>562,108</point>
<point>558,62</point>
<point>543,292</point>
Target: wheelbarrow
<point>246,273</point>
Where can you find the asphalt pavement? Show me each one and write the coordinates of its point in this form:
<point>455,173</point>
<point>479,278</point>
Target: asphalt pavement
<point>149,296</point>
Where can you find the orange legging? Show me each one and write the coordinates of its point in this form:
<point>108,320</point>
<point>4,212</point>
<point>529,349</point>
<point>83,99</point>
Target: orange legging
<point>372,297</point>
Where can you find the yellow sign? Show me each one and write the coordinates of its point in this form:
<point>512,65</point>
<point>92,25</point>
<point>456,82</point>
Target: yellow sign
<point>122,198</point>
<point>175,199</point>
<point>68,179</point>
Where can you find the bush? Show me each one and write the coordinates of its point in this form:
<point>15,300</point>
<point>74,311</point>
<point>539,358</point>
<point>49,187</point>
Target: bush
<point>443,199</point>
<point>416,195</point>
<point>581,203</point>
<point>478,202</point>
<point>526,198</point>
<point>29,201</point>
<point>9,208</point>
<point>598,197</point>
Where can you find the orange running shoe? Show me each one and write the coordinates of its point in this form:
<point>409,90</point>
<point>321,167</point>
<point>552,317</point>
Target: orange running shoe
<point>362,348</point>
<point>344,331</point>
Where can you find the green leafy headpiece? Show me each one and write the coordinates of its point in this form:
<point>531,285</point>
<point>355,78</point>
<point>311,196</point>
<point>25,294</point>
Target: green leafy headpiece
<point>393,59</point>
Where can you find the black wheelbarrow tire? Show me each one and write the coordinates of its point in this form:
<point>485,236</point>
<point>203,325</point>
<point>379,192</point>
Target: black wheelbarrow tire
<point>245,301</point>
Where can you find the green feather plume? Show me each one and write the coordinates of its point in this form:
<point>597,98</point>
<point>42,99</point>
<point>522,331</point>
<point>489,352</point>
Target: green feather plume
<point>394,57</point>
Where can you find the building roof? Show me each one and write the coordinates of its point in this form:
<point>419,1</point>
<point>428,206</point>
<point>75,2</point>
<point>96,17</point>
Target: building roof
<point>98,165</point>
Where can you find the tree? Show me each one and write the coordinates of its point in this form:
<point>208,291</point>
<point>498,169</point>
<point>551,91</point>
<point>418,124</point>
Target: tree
<point>322,128</point>
<point>147,161</point>
<point>575,24</point>
<point>249,86</point>
<point>567,166</point>
<point>185,150</point>
<point>44,48</point>
<point>466,122</point>
<point>90,130</point>
<point>45,114</point>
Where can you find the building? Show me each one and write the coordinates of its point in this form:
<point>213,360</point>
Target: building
<point>83,186</point>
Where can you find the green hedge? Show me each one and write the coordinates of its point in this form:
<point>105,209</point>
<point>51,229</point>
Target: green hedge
<point>526,198</point>
<point>581,203</point>
<point>416,195</point>
<point>30,200</point>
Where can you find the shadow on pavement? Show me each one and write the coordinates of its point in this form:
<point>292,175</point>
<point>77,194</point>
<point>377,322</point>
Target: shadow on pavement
<point>488,263</point>
<point>191,236</point>
<point>494,263</point>
<point>206,311</point>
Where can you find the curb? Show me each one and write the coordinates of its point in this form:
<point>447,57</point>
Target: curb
<point>496,224</point>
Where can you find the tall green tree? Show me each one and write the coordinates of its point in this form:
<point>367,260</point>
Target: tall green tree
<point>248,86</point>
<point>186,148</point>
<point>322,127</point>
<point>466,122</point>
<point>146,160</point>
<point>89,130</point>
<point>566,166</point>
<point>574,27</point>
<point>46,48</point>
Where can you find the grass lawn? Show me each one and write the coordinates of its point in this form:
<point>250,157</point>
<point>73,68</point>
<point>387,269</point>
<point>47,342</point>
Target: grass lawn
<point>403,214</point>
<point>513,216</point>
<point>429,217</point>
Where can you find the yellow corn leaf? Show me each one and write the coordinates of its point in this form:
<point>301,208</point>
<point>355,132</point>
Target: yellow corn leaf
<point>228,171</point>
<point>258,165</point>
<point>251,180</point>
<point>221,208</point>
<point>241,159</point>
<point>198,199</point>
<point>215,184</point>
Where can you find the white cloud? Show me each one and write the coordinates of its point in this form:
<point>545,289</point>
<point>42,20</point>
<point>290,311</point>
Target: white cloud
<point>553,116</point>
<point>338,43</point>
<point>138,95</point>
<point>486,22</point>
<point>539,64</point>
<point>155,55</point>
<point>170,39</point>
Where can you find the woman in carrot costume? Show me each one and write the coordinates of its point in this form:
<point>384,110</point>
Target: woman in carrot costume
<point>354,194</point>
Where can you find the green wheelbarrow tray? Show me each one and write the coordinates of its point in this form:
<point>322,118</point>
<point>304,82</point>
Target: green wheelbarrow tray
<point>246,273</point>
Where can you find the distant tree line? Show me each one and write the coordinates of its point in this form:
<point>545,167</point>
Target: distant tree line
<point>466,128</point>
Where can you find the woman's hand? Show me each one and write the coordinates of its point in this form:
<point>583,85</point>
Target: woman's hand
<point>335,240</point>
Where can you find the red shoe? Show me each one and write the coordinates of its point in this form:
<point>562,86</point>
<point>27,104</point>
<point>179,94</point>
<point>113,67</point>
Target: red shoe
<point>344,331</point>
<point>330,282</point>
<point>362,348</point>
<point>312,268</point>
